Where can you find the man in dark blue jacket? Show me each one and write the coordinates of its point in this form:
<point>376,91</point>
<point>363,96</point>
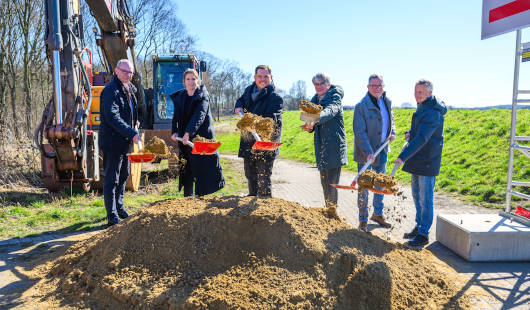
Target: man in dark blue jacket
<point>119,117</point>
<point>422,157</point>
<point>260,98</point>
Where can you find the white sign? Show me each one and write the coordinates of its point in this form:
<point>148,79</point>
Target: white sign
<point>502,16</point>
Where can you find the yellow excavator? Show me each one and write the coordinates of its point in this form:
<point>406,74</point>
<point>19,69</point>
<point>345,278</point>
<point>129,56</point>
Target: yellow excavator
<point>67,135</point>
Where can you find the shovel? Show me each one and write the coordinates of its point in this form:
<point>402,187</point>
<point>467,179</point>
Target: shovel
<point>202,148</point>
<point>141,158</point>
<point>262,145</point>
<point>363,169</point>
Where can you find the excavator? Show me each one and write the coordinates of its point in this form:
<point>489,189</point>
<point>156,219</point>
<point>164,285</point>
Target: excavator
<point>67,135</point>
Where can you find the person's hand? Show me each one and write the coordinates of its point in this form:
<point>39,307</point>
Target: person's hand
<point>308,126</point>
<point>174,137</point>
<point>370,158</point>
<point>238,111</point>
<point>137,125</point>
<point>137,139</point>
<point>392,138</point>
<point>398,162</point>
<point>186,138</point>
<point>407,136</point>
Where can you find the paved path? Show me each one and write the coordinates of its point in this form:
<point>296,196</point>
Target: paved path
<point>507,284</point>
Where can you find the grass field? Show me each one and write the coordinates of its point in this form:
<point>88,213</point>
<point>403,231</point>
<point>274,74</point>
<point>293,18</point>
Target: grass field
<point>27,212</point>
<point>475,153</point>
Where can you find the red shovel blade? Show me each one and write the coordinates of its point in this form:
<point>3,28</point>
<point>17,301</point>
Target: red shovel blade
<point>141,158</point>
<point>205,148</point>
<point>266,145</point>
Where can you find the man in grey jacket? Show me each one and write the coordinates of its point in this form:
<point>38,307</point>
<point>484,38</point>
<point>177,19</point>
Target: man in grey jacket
<point>373,124</point>
<point>330,135</point>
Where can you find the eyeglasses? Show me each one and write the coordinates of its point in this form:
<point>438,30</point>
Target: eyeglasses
<point>376,86</point>
<point>125,71</point>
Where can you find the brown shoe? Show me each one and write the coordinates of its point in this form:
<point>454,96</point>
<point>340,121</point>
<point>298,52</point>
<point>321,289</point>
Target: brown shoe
<point>381,221</point>
<point>363,226</point>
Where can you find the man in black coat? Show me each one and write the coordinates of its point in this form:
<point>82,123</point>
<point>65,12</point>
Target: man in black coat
<point>423,157</point>
<point>119,117</point>
<point>260,98</point>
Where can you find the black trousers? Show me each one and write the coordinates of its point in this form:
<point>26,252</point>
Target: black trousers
<point>327,177</point>
<point>117,169</point>
<point>258,171</point>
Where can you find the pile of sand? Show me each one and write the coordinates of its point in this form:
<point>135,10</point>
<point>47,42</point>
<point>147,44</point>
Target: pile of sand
<point>244,253</point>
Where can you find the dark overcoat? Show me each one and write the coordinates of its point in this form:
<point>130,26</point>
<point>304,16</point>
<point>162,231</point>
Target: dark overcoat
<point>269,103</point>
<point>197,120</point>
<point>116,130</point>
<point>330,134</point>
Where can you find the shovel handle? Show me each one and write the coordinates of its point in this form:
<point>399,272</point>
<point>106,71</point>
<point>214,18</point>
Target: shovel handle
<point>182,140</point>
<point>140,145</point>
<point>396,167</point>
<point>255,135</point>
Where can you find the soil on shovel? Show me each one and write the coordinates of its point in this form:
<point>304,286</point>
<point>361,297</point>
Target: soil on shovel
<point>202,139</point>
<point>309,107</point>
<point>369,178</point>
<point>156,146</point>
<point>244,253</point>
<point>263,126</point>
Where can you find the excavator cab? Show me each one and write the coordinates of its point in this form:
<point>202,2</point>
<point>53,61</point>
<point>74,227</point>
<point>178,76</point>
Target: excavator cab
<point>168,78</point>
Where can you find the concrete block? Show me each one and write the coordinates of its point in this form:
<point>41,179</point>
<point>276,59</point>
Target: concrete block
<point>484,237</point>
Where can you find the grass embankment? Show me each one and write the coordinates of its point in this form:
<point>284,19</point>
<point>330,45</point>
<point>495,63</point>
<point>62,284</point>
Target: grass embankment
<point>475,153</point>
<point>28,212</point>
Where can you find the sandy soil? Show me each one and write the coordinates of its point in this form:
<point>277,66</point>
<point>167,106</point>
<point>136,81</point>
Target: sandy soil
<point>232,252</point>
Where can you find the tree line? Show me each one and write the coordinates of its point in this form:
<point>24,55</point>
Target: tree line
<point>25,79</point>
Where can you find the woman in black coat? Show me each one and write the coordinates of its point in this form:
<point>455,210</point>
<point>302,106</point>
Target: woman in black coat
<point>192,117</point>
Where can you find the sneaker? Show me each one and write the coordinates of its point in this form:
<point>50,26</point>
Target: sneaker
<point>381,221</point>
<point>411,234</point>
<point>363,226</point>
<point>418,241</point>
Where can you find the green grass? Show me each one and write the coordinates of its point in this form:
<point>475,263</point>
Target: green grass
<point>61,213</point>
<point>475,153</point>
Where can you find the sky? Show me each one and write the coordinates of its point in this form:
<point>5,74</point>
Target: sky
<point>351,39</point>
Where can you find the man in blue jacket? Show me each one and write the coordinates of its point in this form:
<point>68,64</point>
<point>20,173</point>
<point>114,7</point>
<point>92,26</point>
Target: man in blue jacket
<point>260,98</point>
<point>422,157</point>
<point>330,135</point>
<point>119,117</point>
<point>373,124</point>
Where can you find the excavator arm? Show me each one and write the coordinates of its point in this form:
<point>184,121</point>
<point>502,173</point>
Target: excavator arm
<point>71,154</point>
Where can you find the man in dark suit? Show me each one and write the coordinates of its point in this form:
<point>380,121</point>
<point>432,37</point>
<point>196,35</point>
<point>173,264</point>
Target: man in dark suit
<point>119,123</point>
<point>260,98</point>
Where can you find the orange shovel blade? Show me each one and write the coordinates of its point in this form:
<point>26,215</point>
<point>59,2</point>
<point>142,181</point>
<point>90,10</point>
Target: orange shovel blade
<point>141,158</point>
<point>266,145</point>
<point>205,148</point>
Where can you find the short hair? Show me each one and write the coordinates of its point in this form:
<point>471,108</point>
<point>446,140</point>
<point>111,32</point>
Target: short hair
<point>264,67</point>
<point>425,83</point>
<point>195,74</point>
<point>375,76</point>
<point>123,61</point>
<point>322,77</point>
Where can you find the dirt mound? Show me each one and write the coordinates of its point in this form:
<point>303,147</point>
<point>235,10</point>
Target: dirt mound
<point>244,253</point>
<point>156,146</point>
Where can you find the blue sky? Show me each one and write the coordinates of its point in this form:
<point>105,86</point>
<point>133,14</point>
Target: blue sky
<point>401,40</point>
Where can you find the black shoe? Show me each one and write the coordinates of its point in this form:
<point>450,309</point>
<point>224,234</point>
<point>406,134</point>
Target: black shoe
<point>113,222</point>
<point>418,241</point>
<point>123,214</point>
<point>411,234</point>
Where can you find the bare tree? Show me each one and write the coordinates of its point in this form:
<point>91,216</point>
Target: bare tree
<point>297,92</point>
